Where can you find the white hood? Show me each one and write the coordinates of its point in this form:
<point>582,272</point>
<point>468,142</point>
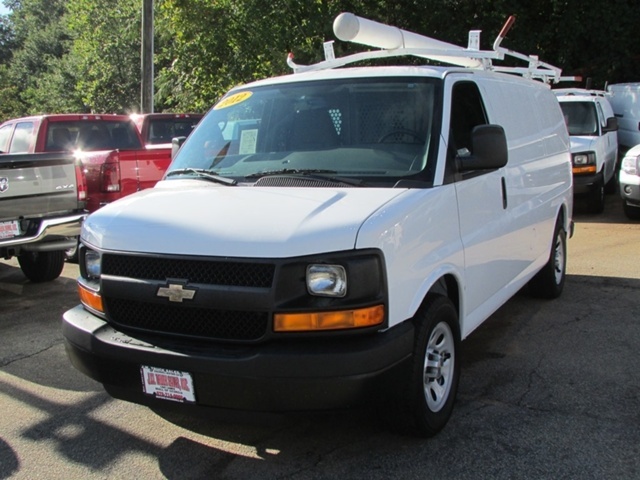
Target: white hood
<point>191,217</point>
<point>582,143</point>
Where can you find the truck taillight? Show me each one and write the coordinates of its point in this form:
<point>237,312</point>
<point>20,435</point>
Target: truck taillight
<point>81,181</point>
<point>110,174</point>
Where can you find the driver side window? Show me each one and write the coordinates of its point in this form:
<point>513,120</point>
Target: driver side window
<point>467,112</point>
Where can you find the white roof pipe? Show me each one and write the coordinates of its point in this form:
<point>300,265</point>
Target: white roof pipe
<point>351,28</point>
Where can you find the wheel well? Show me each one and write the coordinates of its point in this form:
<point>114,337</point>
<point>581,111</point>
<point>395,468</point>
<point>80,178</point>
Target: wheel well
<point>563,217</point>
<point>447,286</point>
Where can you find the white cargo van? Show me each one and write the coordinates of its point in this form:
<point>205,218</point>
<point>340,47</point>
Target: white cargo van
<point>625,100</point>
<point>594,143</point>
<point>329,237</point>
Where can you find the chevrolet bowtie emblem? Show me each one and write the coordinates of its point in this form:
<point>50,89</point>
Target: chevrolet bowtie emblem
<point>176,293</point>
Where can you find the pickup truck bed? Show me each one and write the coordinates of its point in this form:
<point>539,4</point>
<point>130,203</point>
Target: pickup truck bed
<point>41,210</point>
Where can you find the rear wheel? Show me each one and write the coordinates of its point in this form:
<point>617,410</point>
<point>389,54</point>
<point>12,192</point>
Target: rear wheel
<point>71,254</point>
<point>41,266</point>
<point>431,379</point>
<point>549,282</point>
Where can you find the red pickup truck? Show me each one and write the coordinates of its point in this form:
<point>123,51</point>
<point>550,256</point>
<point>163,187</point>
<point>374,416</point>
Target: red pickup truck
<point>158,129</point>
<point>114,158</point>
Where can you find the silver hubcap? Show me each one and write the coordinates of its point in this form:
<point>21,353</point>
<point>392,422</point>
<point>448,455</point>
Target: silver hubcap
<point>558,262</point>
<point>438,366</point>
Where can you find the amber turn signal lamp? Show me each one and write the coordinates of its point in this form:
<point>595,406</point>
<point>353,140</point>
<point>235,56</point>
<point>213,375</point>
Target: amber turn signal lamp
<point>584,169</point>
<point>90,299</point>
<point>340,320</point>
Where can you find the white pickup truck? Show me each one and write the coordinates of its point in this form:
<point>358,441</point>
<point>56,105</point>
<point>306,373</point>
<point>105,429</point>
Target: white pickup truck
<point>330,237</point>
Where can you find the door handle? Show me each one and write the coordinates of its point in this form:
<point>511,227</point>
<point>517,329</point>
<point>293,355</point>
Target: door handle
<point>504,193</point>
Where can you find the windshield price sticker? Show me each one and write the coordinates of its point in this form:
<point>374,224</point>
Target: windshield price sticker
<point>168,384</point>
<point>9,229</point>
<point>233,100</point>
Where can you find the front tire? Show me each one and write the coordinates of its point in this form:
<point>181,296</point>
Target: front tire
<point>595,198</point>
<point>549,282</point>
<point>612,185</point>
<point>41,266</point>
<point>431,379</point>
<point>632,213</point>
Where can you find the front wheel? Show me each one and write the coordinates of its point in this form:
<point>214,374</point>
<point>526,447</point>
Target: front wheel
<point>632,213</point>
<point>595,198</point>
<point>41,266</point>
<point>431,379</point>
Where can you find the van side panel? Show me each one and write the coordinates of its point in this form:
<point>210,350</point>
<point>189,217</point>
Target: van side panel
<point>539,177</point>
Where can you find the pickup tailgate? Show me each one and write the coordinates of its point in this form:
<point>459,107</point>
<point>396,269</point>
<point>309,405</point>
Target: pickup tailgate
<point>37,184</point>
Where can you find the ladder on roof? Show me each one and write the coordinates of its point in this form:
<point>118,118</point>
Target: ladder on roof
<point>582,92</point>
<point>394,42</point>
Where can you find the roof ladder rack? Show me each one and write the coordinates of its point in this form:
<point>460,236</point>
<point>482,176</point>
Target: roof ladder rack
<point>394,42</point>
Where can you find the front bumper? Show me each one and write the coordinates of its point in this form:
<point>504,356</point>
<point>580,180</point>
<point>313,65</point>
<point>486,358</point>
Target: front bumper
<point>271,377</point>
<point>587,183</point>
<point>630,188</point>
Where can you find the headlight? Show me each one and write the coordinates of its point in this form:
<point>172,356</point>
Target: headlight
<point>327,280</point>
<point>631,165</point>
<point>89,281</point>
<point>587,158</point>
<point>92,265</point>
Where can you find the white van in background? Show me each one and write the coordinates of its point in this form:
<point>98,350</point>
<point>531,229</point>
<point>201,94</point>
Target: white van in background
<point>594,143</point>
<point>625,100</point>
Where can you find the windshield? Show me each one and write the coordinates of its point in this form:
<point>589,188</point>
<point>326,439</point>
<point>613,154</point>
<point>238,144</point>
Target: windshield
<point>91,136</point>
<point>581,117</point>
<point>376,129</point>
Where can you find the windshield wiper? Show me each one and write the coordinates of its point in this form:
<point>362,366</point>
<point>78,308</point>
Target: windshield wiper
<point>315,173</point>
<point>202,173</point>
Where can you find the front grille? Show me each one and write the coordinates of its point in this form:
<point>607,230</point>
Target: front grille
<point>133,309</point>
<point>201,323</point>
<point>236,274</point>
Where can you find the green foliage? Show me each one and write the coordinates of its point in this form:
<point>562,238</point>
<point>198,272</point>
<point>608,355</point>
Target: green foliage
<point>38,41</point>
<point>71,55</point>
<point>9,94</point>
<point>7,40</point>
<point>106,46</point>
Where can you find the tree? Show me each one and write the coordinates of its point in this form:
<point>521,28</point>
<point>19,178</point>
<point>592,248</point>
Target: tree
<point>38,41</point>
<point>7,40</point>
<point>106,52</point>
<point>69,55</point>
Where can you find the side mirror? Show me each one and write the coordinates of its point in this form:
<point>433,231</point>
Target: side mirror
<point>176,143</point>
<point>611,126</point>
<point>489,149</point>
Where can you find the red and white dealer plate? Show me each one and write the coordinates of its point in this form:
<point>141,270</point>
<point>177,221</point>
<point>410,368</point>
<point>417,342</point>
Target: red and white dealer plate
<point>9,229</point>
<point>166,384</point>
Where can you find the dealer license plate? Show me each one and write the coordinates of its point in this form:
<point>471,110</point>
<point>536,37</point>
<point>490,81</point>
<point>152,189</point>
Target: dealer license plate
<point>9,229</point>
<point>166,384</point>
